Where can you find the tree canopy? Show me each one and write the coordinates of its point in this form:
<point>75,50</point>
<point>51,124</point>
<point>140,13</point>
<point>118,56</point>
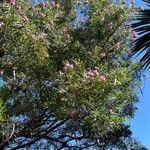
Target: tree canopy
<point>69,81</point>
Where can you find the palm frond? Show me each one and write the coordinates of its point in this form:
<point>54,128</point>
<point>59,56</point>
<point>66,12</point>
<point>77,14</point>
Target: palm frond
<point>141,25</point>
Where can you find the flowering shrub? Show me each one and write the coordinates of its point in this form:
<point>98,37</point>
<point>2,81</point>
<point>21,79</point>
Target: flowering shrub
<point>56,63</point>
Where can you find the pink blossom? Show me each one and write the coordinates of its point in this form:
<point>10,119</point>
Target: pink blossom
<point>92,73</point>
<point>42,36</point>
<point>134,34</point>
<point>18,7</point>
<point>53,3</point>
<point>1,25</point>
<point>12,2</point>
<point>103,78</point>
<point>68,66</point>
<point>46,4</point>
<point>25,18</point>
<point>1,71</point>
<point>42,14</point>
<point>96,72</point>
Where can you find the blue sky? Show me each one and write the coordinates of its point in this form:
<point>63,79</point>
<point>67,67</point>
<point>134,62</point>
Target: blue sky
<point>140,124</point>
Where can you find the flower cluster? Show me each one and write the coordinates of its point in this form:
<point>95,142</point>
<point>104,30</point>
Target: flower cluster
<point>12,2</point>
<point>103,78</point>
<point>92,73</point>
<point>95,73</point>
<point>68,66</point>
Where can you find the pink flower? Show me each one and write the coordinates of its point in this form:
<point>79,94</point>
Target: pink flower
<point>53,3</point>
<point>42,36</point>
<point>42,14</point>
<point>46,4</point>
<point>1,25</point>
<point>12,2</point>
<point>25,18</point>
<point>103,78</point>
<point>96,72</point>
<point>1,71</point>
<point>18,7</point>
<point>134,34</point>
<point>68,66</point>
<point>92,73</point>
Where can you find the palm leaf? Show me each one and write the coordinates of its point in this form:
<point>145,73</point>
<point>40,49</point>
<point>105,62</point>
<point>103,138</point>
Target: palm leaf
<point>141,25</point>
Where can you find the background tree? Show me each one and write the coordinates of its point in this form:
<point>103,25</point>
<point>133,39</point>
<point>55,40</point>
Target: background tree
<point>142,43</point>
<point>68,81</point>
